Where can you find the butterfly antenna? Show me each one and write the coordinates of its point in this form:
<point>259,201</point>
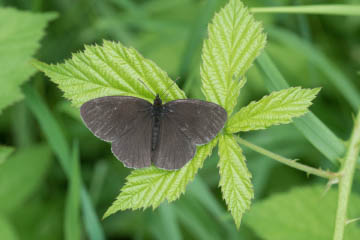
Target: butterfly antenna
<point>147,87</point>
<point>169,88</point>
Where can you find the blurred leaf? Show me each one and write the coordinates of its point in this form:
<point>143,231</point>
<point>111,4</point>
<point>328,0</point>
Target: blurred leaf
<point>7,231</point>
<point>301,214</point>
<point>277,108</point>
<point>107,70</point>
<point>151,186</point>
<point>168,225</point>
<point>20,33</point>
<point>235,39</point>
<point>334,75</point>
<point>310,126</point>
<point>21,175</point>
<point>235,178</point>
<point>58,143</point>
<point>333,9</point>
<point>72,207</point>
<point>4,153</point>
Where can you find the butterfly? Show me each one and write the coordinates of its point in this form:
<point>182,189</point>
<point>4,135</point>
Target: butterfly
<point>143,133</point>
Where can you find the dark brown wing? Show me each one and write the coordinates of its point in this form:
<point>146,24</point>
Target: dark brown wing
<point>185,124</point>
<point>174,149</point>
<point>126,122</point>
<point>198,120</point>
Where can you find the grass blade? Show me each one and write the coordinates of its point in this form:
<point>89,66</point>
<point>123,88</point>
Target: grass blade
<point>59,145</point>
<point>72,214</point>
<point>329,9</point>
<point>310,126</point>
<point>336,77</point>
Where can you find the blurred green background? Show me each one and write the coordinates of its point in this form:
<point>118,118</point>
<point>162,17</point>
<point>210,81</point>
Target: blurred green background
<point>309,50</point>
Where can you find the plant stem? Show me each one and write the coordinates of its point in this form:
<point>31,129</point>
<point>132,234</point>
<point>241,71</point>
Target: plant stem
<point>289,162</point>
<point>348,169</point>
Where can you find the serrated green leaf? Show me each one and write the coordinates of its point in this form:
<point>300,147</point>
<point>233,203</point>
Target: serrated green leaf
<point>4,153</point>
<point>20,33</point>
<point>310,126</point>
<point>277,108</point>
<point>235,179</point>
<point>235,39</point>
<point>150,186</point>
<point>7,231</point>
<point>303,213</point>
<point>111,69</point>
<point>18,180</point>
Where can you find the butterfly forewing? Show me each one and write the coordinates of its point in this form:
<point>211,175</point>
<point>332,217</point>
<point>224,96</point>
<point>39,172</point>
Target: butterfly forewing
<point>185,124</point>
<point>200,121</point>
<point>126,122</point>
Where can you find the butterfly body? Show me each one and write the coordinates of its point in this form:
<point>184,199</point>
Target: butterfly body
<point>142,133</point>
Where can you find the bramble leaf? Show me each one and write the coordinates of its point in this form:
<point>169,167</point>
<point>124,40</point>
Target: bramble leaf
<point>111,69</point>
<point>277,108</point>
<point>235,39</point>
<point>5,152</point>
<point>302,213</point>
<point>20,33</point>
<point>235,179</point>
<point>150,186</point>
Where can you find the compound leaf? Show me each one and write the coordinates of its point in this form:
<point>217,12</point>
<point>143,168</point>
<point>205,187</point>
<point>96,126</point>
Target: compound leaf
<point>235,179</point>
<point>150,186</point>
<point>235,39</point>
<point>277,108</point>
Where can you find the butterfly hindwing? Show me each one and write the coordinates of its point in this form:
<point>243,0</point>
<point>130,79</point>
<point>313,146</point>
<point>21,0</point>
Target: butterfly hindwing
<point>126,122</point>
<point>174,149</point>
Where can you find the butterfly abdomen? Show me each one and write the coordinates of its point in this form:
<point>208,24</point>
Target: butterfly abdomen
<point>157,110</point>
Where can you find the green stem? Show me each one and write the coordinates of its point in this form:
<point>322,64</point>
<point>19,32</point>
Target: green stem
<point>346,180</point>
<point>289,162</point>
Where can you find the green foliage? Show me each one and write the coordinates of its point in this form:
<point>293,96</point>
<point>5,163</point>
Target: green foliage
<point>235,39</point>
<point>302,213</point>
<point>20,33</point>
<point>235,179</point>
<point>4,153</point>
<point>150,186</point>
<point>111,69</point>
<point>17,180</point>
<point>7,231</point>
<point>59,145</point>
<point>277,108</point>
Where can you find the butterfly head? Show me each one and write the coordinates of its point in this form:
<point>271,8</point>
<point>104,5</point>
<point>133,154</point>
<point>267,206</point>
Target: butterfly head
<point>157,100</point>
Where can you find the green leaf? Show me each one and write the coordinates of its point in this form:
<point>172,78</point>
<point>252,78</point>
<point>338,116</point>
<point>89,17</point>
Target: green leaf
<point>333,9</point>
<point>301,214</point>
<point>277,108</point>
<point>107,70</point>
<point>20,33</point>
<point>21,174</point>
<point>150,186</point>
<point>235,39</point>
<point>72,207</point>
<point>315,131</point>
<point>4,153</point>
<point>7,231</point>
<point>235,179</point>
